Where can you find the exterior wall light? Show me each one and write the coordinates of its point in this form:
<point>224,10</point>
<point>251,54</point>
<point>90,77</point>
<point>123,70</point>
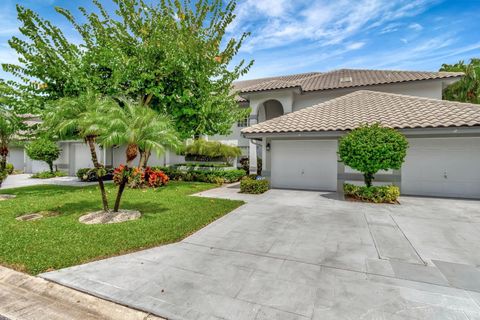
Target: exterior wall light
<point>268,147</point>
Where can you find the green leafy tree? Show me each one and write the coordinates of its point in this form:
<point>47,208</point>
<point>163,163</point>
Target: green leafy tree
<point>371,148</point>
<point>139,128</point>
<point>466,89</point>
<point>43,149</point>
<point>171,56</point>
<point>77,118</point>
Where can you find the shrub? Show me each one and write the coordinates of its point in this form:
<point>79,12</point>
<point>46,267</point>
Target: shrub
<point>371,148</point>
<point>253,186</point>
<point>376,194</point>
<point>139,177</point>
<point>155,178</point>
<point>9,168</point>
<point>90,174</point>
<point>216,176</point>
<point>202,150</point>
<point>43,150</point>
<point>48,174</point>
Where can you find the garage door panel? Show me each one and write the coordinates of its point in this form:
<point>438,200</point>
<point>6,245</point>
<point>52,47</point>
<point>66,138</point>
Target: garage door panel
<point>447,167</point>
<point>304,164</point>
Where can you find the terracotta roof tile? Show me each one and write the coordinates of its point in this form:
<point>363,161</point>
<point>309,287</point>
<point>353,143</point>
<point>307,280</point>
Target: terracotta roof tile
<point>360,107</point>
<point>343,78</point>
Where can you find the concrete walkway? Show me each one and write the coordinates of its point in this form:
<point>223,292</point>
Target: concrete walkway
<point>24,297</point>
<point>305,255</point>
<point>25,180</point>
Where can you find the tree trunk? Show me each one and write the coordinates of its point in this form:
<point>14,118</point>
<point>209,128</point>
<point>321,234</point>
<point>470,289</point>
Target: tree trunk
<point>3,163</point>
<point>50,165</point>
<point>120,193</point>
<point>3,159</point>
<point>368,177</point>
<point>93,152</point>
<point>146,156</point>
<point>142,159</point>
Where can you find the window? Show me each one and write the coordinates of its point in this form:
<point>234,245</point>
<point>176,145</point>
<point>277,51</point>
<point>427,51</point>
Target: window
<point>243,123</point>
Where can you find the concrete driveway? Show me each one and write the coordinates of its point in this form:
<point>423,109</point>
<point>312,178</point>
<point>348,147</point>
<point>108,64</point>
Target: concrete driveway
<point>305,255</point>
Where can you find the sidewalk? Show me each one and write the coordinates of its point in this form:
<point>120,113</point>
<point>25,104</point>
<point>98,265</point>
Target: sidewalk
<point>23,297</point>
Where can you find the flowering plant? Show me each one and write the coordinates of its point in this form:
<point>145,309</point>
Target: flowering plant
<point>155,178</point>
<point>136,178</point>
<point>120,173</point>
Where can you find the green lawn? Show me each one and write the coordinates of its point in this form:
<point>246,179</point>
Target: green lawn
<point>168,215</point>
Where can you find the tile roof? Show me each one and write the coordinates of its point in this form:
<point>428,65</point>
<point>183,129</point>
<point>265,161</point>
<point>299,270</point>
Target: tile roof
<point>275,82</point>
<point>343,78</point>
<point>392,110</point>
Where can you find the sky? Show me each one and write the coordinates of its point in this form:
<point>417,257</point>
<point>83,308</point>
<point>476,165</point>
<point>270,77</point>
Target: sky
<point>295,36</point>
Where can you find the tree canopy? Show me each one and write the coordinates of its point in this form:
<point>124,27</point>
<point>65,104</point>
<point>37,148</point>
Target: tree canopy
<point>171,55</point>
<point>466,89</point>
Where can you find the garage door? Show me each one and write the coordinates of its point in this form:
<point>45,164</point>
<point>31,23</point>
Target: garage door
<point>442,167</point>
<point>299,164</point>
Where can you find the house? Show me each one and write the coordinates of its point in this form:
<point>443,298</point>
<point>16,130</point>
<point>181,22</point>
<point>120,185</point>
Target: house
<point>299,149</point>
<point>272,97</point>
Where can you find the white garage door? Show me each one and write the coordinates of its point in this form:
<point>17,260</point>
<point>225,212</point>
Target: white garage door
<point>442,167</point>
<point>300,164</point>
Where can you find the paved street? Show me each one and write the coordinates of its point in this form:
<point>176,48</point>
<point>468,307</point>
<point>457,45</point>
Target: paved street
<point>305,255</point>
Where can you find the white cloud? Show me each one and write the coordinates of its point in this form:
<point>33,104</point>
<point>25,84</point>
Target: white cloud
<point>355,45</point>
<point>416,27</point>
<point>276,23</point>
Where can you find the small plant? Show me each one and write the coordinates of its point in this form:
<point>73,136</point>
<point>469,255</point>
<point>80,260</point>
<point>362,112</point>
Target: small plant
<point>376,194</point>
<point>9,168</point>
<point>155,178</point>
<point>253,186</point>
<point>43,150</point>
<point>91,174</point>
<point>371,148</point>
<point>48,174</point>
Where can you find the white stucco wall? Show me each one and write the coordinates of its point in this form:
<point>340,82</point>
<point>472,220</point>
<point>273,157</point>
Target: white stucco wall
<point>428,89</point>
<point>17,158</point>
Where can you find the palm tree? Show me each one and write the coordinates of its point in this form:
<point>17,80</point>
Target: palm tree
<point>138,127</point>
<point>9,125</point>
<point>77,117</point>
<point>466,89</point>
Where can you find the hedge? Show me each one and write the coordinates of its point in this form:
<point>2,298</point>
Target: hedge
<point>253,186</point>
<point>376,194</point>
<point>216,176</point>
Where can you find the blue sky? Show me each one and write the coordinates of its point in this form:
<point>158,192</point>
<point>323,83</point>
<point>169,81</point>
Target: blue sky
<point>305,35</point>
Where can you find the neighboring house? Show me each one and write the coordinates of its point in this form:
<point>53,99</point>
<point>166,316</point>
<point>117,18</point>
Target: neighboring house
<point>75,155</point>
<point>299,149</point>
<point>272,97</point>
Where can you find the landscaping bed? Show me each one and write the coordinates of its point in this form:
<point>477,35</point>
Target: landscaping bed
<point>169,214</point>
<point>375,194</point>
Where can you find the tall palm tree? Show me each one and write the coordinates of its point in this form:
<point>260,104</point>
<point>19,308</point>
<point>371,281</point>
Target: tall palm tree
<point>139,128</point>
<point>77,117</point>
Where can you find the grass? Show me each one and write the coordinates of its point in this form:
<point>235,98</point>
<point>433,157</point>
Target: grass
<point>169,214</point>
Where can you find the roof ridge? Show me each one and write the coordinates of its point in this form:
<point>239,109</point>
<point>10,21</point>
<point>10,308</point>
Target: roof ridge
<point>388,70</point>
<point>280,76</point>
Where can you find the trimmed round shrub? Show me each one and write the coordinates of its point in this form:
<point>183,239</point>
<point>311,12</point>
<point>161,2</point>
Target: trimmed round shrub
<point>253,186</point>
<point>371,148</point>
